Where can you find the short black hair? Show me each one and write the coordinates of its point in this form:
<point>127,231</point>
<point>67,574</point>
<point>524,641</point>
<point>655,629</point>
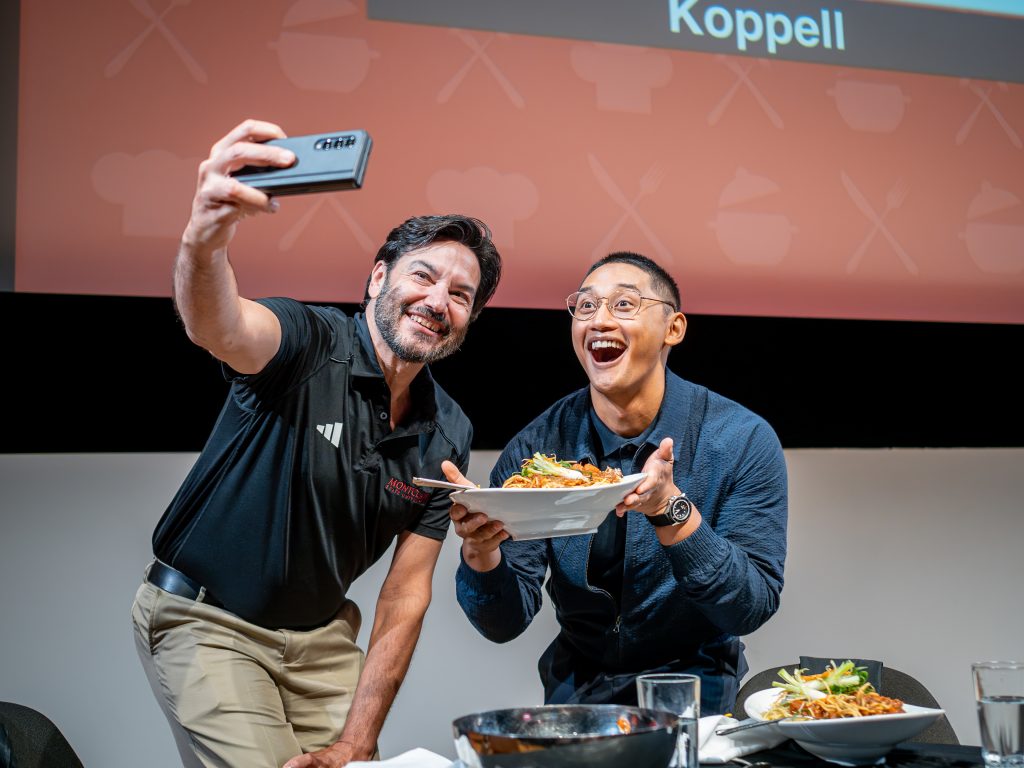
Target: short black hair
<point>421,231</point>
<point>661,280</point>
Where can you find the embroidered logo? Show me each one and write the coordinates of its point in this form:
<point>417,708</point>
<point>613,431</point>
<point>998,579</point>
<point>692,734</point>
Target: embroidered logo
<point>406,491</point>
<point>332,432</point>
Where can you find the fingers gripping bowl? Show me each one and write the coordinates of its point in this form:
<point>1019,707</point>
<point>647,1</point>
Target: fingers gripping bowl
<point>597,736</point>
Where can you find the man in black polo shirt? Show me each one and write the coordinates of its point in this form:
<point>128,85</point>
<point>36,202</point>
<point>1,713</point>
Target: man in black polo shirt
<point>242,623</point>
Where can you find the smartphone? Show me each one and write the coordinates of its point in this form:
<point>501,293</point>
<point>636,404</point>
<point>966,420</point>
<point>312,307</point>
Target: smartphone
<point>324,162</point>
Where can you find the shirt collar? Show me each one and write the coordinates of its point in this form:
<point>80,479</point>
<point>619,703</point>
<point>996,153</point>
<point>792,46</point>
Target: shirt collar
<point>609,443</point>
<point>364,363</point>
<point>364,357</point>
<point>677,402</point>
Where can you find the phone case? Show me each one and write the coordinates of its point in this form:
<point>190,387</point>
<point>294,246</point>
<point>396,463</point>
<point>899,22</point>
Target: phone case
<point>324,162</point>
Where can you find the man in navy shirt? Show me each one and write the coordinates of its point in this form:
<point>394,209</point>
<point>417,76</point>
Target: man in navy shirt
<point>242,623</point>
<point>690,561</point>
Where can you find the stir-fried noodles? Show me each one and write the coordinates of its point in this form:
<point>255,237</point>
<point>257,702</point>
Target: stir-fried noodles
<point>836,705</point>
<point>842,690</point>
<point>547,472</point>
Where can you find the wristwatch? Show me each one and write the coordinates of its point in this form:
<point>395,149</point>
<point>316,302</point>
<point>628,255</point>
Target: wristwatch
<point>677,512</point>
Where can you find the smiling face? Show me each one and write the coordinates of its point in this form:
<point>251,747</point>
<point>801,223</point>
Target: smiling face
<point>624,358</point>
<point>422,306</point>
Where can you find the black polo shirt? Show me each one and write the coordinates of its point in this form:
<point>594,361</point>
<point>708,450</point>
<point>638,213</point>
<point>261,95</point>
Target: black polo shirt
<point>303,485</point>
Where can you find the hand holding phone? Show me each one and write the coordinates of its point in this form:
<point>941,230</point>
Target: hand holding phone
<point>324,162</point>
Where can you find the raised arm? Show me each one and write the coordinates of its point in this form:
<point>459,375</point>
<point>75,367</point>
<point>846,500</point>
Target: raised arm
<point>240,332</point>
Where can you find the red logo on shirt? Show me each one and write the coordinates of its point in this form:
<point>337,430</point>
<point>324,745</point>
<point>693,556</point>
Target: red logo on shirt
<point>406,491</point>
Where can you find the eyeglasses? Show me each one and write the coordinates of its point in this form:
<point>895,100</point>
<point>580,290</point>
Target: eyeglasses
<point>622,304</point>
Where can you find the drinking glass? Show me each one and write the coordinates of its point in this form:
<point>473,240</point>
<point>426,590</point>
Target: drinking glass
<point>680,695</point>
<point>999,692</point>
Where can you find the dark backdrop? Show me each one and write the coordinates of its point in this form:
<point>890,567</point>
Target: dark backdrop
<point>90,373</point>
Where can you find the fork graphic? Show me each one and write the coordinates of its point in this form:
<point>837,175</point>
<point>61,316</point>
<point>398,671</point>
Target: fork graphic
<point>156,23</point>
<point>893,200</point>
<point>649,184</point>
<point>295,230</point>
<point>479,54</point>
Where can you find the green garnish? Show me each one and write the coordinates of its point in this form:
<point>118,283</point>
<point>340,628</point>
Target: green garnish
<point>544,465</point>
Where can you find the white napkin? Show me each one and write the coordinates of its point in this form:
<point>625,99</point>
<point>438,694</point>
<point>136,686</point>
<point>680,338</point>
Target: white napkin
<point>414,758</point>
<point>722,749</point>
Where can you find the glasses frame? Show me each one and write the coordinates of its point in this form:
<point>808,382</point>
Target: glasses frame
<point>606,301</point>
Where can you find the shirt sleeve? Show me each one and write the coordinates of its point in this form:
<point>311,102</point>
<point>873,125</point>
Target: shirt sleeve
<point>307,337</point>
<point>502,602</point>
<point>731,567</point>
<point>435,520</point>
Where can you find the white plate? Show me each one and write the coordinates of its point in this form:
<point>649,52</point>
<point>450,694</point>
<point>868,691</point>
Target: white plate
<point>541,513</point>
<point>849,740</point>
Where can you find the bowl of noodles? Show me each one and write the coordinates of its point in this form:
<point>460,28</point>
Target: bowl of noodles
<point>549,498</point>
<point>851,728</point>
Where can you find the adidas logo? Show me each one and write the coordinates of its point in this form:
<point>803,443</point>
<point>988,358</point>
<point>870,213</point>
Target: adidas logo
<point>331,431</point>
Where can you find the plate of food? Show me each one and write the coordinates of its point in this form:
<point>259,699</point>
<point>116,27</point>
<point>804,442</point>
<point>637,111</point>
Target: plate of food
<point>549,498</point>
<point>837,715</point>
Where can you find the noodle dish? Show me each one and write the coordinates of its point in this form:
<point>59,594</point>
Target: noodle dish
<point>549,498</point>
<point>838,715</point>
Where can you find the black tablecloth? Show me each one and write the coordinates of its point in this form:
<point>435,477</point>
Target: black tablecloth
<point>906,755</point>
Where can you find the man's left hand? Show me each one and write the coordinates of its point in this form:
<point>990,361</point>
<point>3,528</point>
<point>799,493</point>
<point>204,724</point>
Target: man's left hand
<point>651,496</point>
<point>334,756</point>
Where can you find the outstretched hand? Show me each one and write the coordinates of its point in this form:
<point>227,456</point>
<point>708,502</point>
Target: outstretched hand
<point>651,496</point>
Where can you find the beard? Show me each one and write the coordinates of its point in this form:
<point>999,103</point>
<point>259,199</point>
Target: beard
<point>388,311</point>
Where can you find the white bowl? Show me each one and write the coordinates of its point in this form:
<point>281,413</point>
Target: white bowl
<point>849,740</point>
<point>541,513</point>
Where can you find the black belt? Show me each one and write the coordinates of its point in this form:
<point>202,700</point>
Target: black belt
<point>177,583</point>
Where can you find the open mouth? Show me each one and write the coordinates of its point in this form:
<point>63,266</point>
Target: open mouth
<point>606,350</point>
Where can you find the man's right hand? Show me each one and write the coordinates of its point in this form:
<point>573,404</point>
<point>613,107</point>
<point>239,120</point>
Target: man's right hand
<point>241,333</point>
<point>480,535</point>
<point>221,200</point>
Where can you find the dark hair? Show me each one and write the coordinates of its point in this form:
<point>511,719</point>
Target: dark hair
<point>661,280</point>
<point>421,231</point>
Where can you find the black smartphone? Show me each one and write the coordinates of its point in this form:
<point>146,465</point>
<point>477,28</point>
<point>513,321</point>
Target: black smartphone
<point>324,162</point>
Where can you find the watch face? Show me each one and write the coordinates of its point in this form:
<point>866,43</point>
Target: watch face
<point>679,509</point>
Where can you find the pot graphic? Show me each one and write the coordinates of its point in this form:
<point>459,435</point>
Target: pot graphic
<point>751,237</point>
<point>870,107</point>
<point>312,11</point>
<point>996,247</point>
<point>323,62</point>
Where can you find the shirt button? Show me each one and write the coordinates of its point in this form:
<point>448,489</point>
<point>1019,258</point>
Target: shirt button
<point>383,415</point>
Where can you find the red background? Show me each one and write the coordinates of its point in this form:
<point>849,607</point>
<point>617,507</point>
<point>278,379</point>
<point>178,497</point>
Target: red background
<point>734,167</point>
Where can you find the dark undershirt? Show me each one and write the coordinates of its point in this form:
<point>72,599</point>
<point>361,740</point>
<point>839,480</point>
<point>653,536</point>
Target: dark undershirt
<point>607,555</point>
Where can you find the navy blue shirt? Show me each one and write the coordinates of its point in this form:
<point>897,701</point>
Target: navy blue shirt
<point>627,454</point>
<point>683,608</point>
<point>303,484</point>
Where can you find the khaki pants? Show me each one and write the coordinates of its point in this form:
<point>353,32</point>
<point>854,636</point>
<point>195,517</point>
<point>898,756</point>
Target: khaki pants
<point>237,694</point>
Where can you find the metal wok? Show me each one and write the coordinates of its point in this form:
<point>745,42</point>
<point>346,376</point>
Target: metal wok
<point>595,735</point>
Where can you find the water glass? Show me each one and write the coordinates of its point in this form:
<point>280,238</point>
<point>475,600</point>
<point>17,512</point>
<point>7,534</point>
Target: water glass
<point>680,695</point>
<point>999,692</point>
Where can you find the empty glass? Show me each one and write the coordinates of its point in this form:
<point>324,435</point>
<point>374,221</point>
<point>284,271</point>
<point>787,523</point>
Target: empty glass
<point>680,695</point>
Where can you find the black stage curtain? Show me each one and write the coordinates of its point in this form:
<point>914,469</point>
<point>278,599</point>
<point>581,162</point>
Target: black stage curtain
<point>102,374</point>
